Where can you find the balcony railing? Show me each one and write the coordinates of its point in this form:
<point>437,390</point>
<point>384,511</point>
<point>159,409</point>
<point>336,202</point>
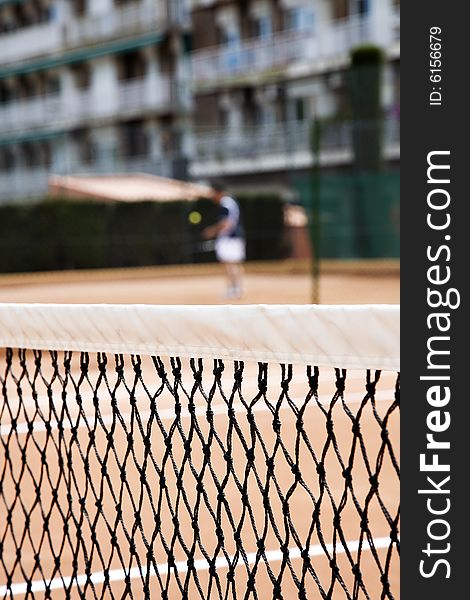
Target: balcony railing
<point>65,110</point>
<point>135,18</point>
<point>200,3</point>
<point>30,112</point>
<point>29,42</point>
<point>396,25</point>
<point>286,48</point>
<point>286,139</point>
<point>220,145</point>
<point>141,94</point>
<point>251,56</point>
<point>26,183</point>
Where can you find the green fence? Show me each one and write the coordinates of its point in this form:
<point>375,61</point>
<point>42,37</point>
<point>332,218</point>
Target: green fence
<point>359,213</point>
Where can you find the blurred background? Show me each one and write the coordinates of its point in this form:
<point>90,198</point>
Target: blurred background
<point>293,104</point>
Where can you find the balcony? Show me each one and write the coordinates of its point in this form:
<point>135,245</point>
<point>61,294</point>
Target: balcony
<point>122,21</point>
<point>29,183</point>
<point>45,112</point>
<point>22,183</point>
<point>30,113</point>
<point>195,4</point>
<point>279,146</point>
<point>254,56</point>
<point>134,97</point>
<point>30,42</point>
<point>396,30</point>
<point>141,95</point>
<point>249,142</point>
<point>316,50</point>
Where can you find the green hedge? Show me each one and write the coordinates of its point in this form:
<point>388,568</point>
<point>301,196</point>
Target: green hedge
<point>365,85</point>
<point>366,55</point>
<point>63,234</point>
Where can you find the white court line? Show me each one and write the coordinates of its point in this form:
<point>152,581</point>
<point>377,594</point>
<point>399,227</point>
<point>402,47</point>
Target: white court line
<point>167,414</point>
<point>20,589</point>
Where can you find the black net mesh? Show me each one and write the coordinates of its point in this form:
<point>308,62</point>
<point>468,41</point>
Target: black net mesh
<point>145,477</point>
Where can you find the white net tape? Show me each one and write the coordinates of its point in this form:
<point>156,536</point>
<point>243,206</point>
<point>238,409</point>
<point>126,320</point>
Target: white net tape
<point>357,336</point>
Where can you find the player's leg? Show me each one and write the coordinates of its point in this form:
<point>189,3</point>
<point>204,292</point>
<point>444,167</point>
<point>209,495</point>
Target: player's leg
<point>231,252</point>
<point>236,279</point>
<point>234,273</point>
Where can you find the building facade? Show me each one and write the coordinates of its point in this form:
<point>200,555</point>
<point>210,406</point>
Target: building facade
<point>90,86</point>
<point>184,88</point>
<point>264,69</point>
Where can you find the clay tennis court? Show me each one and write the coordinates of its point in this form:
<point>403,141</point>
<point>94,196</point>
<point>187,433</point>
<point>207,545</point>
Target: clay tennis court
<point>355,282</point>
<point>128,437</point>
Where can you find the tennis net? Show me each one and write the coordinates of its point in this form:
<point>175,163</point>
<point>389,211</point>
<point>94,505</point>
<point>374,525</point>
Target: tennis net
<point>199,452</point>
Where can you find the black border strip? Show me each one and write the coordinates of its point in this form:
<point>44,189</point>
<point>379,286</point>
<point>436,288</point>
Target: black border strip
<point>429,128</point>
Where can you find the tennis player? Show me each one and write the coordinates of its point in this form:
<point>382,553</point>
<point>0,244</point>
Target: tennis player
<point>229,240</point>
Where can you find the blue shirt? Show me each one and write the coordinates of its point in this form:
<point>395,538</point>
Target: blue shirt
<point>229,209</point>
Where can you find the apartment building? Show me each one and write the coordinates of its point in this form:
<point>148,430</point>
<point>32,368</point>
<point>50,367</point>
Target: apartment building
<point>184,88</point>
<point>90,86</point>
<point>263,69</point>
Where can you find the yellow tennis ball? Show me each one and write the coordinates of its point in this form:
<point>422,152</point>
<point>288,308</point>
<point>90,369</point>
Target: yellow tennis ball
<point>195,217</point>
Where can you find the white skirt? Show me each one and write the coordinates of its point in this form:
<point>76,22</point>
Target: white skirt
<point>230,250</point>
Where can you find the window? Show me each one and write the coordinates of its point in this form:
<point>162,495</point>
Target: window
<point>300,112</point>
<point>28,154</point>
<point>229,38</point>
<point>24,16</point>
<point>80,7</point>
<point>187,42</point>
<point>262,27</point>
<point>46,154</point>
<point>341,9</point>
<point>51,13</point>
<point>168,142</point>
<point>232,55</point>
<point>132,65</point>
<point>344,8</point>
<point>85,148</point>
<point>46,13</point>
<point>26,87</point>
<point>298,109</point>
<point>300,18</point>
<point>5,94</point>
<point>265,114</point>
<point>53,85</point>
<point>135,139</point>
<point>7,160</point>
<point>82,76</point>
<point>359,7</point>
<point>6,24</point>
<point>223,118</point>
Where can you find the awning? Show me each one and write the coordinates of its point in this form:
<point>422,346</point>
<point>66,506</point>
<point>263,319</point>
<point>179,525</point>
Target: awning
<point>81,55</point>
<point>5,2</point>
<point>125,187</point>
<point>32,136</point>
